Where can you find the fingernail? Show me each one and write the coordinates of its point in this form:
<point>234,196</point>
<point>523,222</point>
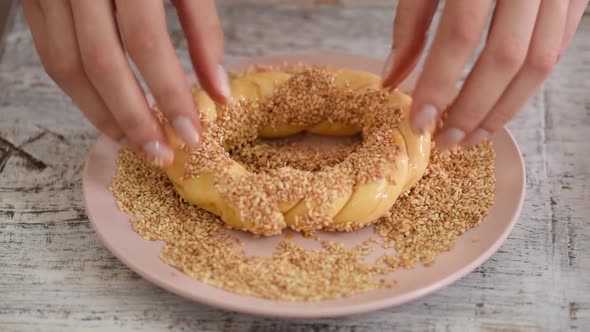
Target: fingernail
<point>184,128</point>
<point>424,119</point>
<point>476,137</point>
<point>223,82</point>
<point>124,142</point>
<point>158,153</point>
<point>388,66</point>
<point>449,138</point>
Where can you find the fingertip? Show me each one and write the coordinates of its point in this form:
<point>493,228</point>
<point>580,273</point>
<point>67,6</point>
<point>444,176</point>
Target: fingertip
<point>449,138</point>
<point>423,118</point>
<point>476,137</point>
<point>186,130</point>
<point>223,84</point>
<point>124,142</point>
<point>216,83</point>
<point>158,153</point>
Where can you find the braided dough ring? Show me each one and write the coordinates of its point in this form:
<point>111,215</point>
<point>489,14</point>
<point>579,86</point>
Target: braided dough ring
<point>266,203</point>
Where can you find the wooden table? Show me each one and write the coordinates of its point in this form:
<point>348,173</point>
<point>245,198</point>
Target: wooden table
<point>56,275</point>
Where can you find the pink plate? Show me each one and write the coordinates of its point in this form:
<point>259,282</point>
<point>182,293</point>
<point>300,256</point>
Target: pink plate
<point>142,256</point>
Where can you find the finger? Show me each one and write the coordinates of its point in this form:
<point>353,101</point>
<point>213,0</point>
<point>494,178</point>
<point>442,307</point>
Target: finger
<point>460,29</point>
<point>149,45</point>
<point>505,51</point>
<point>410,30</point>
<point>541,58</point>
<point>574,15</point>
<point>63,64</point>
<point>36,21</point>
<point>107,68</point>
<point>200,23</point>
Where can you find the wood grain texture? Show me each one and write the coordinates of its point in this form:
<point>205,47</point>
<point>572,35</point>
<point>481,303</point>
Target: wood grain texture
<point>55,275</point>
<point>344,3</point>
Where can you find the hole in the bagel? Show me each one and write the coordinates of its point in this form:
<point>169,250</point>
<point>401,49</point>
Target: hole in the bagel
<point>305,151</point>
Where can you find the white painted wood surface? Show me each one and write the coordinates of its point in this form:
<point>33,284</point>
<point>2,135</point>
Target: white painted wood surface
<point>55,275</point>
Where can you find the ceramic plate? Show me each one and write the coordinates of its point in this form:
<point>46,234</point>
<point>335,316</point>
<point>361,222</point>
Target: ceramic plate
<point>142,256</point>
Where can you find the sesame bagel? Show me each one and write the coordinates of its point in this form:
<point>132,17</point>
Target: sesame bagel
<point>270,103</point>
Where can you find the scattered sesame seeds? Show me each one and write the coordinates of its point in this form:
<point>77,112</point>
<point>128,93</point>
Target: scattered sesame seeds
<point>455,195</point>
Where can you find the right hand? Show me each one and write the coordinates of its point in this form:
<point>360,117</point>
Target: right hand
<point>524,42</point>
<point>82,45</point>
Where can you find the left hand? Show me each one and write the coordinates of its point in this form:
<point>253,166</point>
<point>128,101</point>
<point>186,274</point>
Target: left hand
<point>86,47</point>
<point>524,43</point>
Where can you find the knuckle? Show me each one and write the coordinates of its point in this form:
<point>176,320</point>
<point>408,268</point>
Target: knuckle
<point>462,33</point>
<point>542,62</point>
<point>99,61</point>
<point>509,56</point>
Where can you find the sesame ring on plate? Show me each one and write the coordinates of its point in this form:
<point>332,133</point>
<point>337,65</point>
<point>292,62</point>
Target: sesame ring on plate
<point>277,102</point>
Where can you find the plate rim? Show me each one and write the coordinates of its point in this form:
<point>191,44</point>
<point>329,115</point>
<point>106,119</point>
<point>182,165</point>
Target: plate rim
<point>345,310</point>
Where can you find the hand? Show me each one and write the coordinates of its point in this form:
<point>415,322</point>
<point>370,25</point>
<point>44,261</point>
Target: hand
<point>525,40</point>
<point>82,44</point>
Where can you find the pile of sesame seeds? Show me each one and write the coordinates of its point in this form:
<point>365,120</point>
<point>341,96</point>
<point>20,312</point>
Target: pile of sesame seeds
<point>455,195</point>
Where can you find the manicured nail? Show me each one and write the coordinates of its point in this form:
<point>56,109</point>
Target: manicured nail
<point>158,153</point>
<point>124,142</point>
<point>223,82</point>
<point>388,67</point>
<point>449,138</point>
<point>184,128</point>
<point>476,137</point>
<point>424,120</point>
